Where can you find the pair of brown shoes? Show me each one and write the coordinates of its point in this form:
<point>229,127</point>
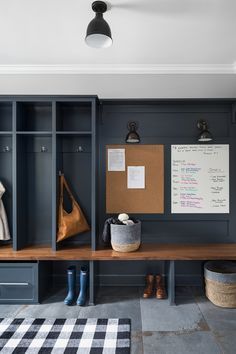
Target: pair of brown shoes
<point>156,281</point>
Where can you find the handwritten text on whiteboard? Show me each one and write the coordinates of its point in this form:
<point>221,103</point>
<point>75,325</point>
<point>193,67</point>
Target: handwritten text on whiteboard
<point>200,178</point>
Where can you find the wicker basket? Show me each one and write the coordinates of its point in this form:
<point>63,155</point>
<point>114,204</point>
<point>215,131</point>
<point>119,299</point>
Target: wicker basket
<point>126,238</point>
<point>220,283</point>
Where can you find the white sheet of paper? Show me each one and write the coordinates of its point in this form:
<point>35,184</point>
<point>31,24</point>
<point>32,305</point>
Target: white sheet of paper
<point>136,177</point>
<point>116,159</point>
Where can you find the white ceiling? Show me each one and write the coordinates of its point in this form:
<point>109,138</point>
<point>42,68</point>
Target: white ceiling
<point>148,35</point>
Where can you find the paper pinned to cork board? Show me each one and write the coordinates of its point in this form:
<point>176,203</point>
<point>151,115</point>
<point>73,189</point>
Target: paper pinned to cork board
<point>136,177</point>
<point>147,200</point>
<point>116,159</point>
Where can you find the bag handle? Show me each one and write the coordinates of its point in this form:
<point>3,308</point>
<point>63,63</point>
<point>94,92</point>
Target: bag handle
<point>62,184</point>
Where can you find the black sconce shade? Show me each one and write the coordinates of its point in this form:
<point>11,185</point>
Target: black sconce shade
<point>98,32</point>
<point>205,135</point>
<point>132,137</point>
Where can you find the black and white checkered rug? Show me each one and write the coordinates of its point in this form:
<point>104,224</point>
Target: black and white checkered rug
<point>69,336</point>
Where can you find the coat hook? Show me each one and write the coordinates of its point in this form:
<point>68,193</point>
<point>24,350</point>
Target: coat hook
<point>7,148</point>
<point>44,149</point>
<point>79,149</point>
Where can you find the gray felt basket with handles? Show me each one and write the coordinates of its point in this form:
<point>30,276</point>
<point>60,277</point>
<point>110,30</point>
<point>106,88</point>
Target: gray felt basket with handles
<point>126,238</point>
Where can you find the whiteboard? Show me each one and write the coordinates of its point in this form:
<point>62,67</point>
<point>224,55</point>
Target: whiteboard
<point>200,178</point>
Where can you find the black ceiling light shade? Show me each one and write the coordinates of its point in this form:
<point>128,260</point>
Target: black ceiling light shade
<point>132,136</point>
<point>205,136</point>
<point>98,32</point>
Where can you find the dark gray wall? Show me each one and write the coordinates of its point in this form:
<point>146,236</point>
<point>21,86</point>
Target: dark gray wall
<point>168,122</point>
<point>160,122</point>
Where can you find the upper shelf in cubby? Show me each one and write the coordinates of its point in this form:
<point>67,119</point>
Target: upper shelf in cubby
<point>74,117</point>
<point>37,117</point>
<point>7,133</point>
<point>5,117</point>
<point>83,133</point>
<point>34,117</point>
<point>35,132</point>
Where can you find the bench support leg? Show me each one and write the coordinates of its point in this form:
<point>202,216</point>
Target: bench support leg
<point>171,282</point>
<point>91,283</point>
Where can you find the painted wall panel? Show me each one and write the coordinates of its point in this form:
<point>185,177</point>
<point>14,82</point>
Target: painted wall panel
<point>169,123</point>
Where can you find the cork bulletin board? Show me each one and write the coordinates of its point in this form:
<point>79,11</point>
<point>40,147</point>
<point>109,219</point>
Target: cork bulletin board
<point>149,200</point>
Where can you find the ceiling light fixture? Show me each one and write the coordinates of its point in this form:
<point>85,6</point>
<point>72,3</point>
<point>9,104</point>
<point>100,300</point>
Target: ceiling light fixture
<point>98,32</point>
<point>205,135</point>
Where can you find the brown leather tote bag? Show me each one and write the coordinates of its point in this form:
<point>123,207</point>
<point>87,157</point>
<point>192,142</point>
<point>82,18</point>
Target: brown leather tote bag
<point>73,223</point>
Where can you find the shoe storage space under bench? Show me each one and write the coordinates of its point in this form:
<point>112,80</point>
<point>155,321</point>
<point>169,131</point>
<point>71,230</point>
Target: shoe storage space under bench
<point>23,282</point>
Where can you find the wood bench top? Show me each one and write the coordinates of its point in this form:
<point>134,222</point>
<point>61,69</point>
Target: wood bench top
<point>146,252</point>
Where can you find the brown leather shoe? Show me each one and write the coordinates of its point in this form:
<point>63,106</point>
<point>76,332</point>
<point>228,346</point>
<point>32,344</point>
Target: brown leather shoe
<point>148,291</point>
<point>160,287</point>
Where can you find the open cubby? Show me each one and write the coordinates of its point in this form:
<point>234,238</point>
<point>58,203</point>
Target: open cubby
<point>6,176</point>
<point>34,116</point>
<point>74,116</point>
<point>34,186</point>
<point>74,160</point>
<point>5,117</point>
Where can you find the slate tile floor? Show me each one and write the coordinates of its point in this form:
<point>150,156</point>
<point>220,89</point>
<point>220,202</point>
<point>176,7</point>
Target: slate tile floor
<point>194,326</point>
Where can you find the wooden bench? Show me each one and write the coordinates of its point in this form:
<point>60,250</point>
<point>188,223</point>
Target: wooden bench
<point>163,252</point>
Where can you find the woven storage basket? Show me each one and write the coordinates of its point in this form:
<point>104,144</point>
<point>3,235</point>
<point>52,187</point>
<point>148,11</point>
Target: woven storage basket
<point>126,238</point>
<point>220,283</point>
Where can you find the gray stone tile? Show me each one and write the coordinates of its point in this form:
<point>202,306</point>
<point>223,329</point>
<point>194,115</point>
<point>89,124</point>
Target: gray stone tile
<point>136,342</point>
<point>53,307</point>
<point>56,310</point>
<point>158,315</point>
<point>107,307</point>
<point>217,318</point>
<point>226,340</point>
<point>9,310</point>
<point>180,343</point>
<point>115,308</point>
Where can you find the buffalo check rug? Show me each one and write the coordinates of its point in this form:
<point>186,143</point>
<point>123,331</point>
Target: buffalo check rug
<point>69,336</point>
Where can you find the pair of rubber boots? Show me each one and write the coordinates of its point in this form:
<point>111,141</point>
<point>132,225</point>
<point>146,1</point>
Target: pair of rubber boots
<point>71,280</point>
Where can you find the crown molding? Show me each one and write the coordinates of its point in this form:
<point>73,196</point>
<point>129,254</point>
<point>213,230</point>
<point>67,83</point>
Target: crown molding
<point>134,69</point>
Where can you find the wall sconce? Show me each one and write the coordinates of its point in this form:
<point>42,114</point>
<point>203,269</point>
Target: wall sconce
<point>98,32</point>
<point>132,136</point>
<point>205,135</point>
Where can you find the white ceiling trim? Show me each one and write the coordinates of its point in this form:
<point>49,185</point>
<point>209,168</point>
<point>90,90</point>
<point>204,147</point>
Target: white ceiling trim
<point>117,69</point>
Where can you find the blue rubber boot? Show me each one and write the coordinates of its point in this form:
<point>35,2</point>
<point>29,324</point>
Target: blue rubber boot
<point>83,286</point>
<point>71,280</point>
